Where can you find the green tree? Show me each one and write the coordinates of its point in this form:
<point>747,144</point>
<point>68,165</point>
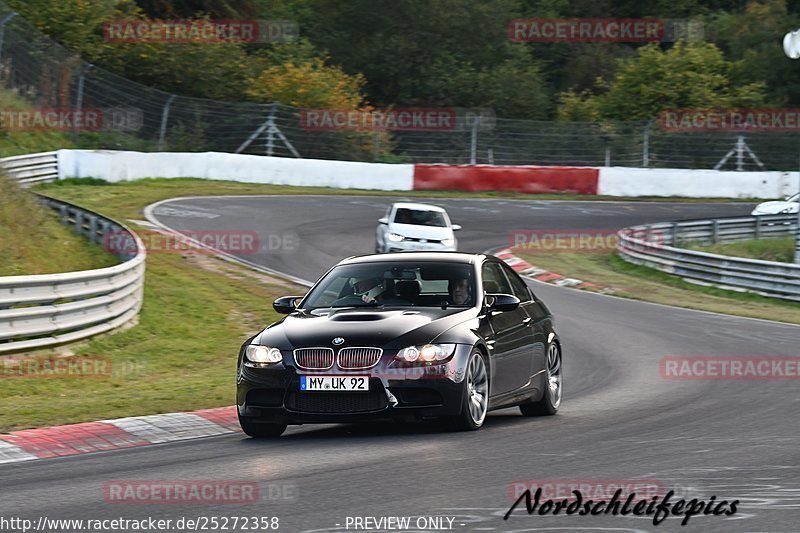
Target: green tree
<point>753,37</point>
<point>688,75</point>
<point>442,53</point>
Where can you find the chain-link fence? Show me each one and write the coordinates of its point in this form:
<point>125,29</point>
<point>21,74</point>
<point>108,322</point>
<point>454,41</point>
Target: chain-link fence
<point>47,75</point>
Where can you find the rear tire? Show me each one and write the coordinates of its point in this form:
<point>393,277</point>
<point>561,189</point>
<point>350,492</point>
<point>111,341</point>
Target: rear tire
<point>475,402</point>
<point>551,398</point>
<point>259,430</point>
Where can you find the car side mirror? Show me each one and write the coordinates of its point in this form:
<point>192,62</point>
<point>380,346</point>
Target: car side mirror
<point>456,227</point>
<point>383,220</point>
<point>502,302</point>
<point>285,304</point>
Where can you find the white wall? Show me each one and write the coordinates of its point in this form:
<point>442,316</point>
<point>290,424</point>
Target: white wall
<point>613,181</point>
<point>123,166</point>
<point>622,181</point>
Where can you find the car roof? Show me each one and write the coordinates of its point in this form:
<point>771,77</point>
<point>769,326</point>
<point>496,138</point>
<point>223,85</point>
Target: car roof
<point>404,257</point>
<point>419,207</point>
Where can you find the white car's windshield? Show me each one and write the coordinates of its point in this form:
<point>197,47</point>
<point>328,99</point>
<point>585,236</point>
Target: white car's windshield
<point>425,284</point>
<point>419,217</point>
<point>794,198</point>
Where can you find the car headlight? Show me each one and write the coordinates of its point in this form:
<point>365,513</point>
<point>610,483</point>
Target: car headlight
<point>787,210</point>
<point>262,354</point>
<point>395,237</point>
<point>428,353</point>
<point>448,242</point>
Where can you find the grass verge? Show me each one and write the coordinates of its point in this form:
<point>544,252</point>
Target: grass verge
<point>641,283</point>
<point>781,250</point>
<point>33,241</point>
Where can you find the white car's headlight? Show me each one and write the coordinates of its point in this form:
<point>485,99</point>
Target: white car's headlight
<point>395,237</point>
<point>262,354</point>
<point>448,242</point>
<point>426,354</point>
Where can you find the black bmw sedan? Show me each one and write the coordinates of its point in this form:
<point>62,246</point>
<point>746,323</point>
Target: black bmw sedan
<point>402,336</point>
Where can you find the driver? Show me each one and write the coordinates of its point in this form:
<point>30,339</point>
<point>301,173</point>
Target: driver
<point>459,291</point>
<point>369,289</point>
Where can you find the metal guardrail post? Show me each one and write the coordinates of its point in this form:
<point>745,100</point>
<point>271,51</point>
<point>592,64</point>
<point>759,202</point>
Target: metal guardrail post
<point>714,231</point>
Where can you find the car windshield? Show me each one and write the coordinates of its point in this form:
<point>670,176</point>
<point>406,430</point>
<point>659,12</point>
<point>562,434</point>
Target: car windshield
<point>419,217</point>
<point>401,284</point>
<point>794,198</point>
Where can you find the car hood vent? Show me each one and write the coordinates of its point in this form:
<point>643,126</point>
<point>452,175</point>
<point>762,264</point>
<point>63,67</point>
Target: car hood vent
<point>356,317</point>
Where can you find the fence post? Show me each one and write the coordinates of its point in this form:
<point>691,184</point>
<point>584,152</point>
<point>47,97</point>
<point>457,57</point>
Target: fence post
<point>646,144</point>
<point>797,231</point>
<point>162,132</point>
<point>740,153</point>
<point>3,28</point>
<point>714,231</point>
<point>271,130</point>
<point>377,145</point>
<point>473,151</point>
<point>79,98</point>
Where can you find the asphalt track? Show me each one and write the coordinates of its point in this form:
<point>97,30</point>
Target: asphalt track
<point>620,420</point>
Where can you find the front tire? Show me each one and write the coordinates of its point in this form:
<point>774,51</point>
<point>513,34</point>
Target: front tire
<point>475,402</point>
<point>261,430</point>
<point>551,398</point>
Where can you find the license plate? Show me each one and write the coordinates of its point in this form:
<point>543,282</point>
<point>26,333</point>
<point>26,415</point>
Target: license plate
<point>334,383</point>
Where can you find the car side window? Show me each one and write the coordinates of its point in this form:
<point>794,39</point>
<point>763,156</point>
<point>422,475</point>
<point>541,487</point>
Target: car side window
<point>494,281</point>
<point>517,285</point>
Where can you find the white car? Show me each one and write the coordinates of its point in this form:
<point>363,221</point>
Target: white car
<point>410,227</point>
<point>779,207</point>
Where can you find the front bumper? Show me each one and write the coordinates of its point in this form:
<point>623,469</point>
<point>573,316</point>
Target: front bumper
<point>273,394</point>
<point>415,246</point>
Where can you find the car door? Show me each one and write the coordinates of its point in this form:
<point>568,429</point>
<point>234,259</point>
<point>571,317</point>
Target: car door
<point>512,335</point>
<point>536,315</point>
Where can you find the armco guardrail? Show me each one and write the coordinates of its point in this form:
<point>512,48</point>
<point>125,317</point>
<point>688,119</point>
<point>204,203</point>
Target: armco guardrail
<point>658,246</point>
<point>45,310</point>
<point>32,168</point>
